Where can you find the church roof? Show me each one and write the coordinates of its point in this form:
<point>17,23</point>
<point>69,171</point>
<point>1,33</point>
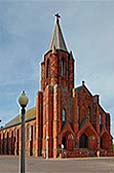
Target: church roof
<point>57,40</point>
<point>30,114</point>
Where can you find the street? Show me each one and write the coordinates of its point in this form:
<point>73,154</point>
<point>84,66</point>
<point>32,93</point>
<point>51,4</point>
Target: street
<point>10,164</point>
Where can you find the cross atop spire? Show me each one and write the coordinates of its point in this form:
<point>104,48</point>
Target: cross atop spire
<point>57,40</point>
<point>57,16</point>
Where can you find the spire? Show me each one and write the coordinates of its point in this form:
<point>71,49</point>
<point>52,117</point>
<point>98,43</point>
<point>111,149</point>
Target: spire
<point>57,40</point>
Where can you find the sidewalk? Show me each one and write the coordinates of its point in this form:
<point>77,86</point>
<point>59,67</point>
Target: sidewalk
<point>10,164</point>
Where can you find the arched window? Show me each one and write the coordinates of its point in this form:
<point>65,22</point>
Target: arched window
<point>100,122</point>
<point>63,115</point>
<point>29,132</point>
<point>48,68</point>
<point>3,143</point>
<point>11,142</point>
<point>79,117</point>
<point>78,114</point>
<point>15,135</point>
<point>89,113</point>
<point>35,131</point>
<point>62,67</point>
<point>10,135</point>
<point>100,119</point>
<point>7,144</point>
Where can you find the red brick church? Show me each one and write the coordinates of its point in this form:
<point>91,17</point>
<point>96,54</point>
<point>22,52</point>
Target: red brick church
<point>67,121</point>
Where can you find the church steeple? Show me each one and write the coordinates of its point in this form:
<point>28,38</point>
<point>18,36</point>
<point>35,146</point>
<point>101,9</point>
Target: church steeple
<point>58,65</point>
<point>57,40</point>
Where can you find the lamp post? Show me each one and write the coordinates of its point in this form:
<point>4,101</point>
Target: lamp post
<point>23,101</point>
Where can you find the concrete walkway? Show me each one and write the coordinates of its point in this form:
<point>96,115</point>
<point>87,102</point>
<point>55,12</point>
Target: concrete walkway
<point>10,164</point>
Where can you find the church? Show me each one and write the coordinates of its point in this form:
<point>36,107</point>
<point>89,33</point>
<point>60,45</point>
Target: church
<point>67,121</point>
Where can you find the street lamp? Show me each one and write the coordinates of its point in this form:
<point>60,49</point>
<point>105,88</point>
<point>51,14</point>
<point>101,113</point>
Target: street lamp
<point>23,101</point>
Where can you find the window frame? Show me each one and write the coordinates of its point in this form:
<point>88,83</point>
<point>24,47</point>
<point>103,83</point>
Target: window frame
<point>63,115</point>
<point>89,112</point>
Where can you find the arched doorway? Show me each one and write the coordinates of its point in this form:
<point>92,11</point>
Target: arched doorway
<point>83,141</point>
<point>64,142</point>
<point>101,143</point>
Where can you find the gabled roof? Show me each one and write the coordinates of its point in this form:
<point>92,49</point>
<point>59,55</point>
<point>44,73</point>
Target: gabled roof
<point>105,131</point>
<point>83,86</point>
<point>57,40</point>
<point>30,114</point>
<point>87,127</point>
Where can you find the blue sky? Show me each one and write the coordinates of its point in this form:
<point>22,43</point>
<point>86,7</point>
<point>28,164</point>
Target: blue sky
<point>25,32</point>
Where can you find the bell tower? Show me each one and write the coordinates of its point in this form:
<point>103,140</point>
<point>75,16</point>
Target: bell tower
<point>54,102</point>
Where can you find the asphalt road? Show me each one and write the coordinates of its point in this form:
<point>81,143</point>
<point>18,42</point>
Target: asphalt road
<point>10,164</point>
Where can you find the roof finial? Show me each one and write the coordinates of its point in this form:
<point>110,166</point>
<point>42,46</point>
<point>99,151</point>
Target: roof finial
<point>57,17</point>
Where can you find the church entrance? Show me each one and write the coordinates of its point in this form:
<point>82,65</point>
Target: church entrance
<point>83,141</point>
<point>101,143</point>
<point>64,142</point>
